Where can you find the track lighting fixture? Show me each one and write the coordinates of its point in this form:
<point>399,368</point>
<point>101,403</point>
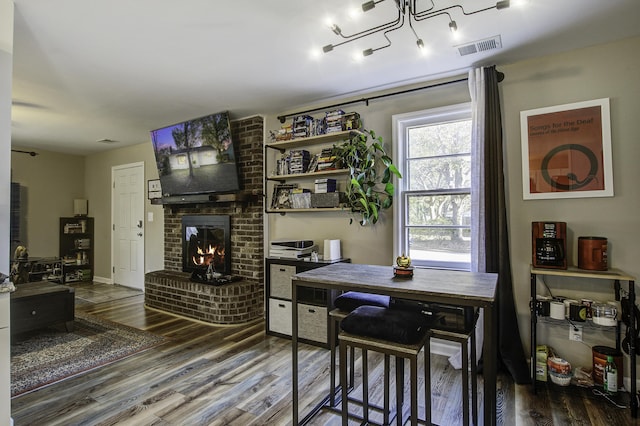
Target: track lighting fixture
<point>406,11</point>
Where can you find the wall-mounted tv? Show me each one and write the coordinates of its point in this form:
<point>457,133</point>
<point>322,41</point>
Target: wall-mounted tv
<point>196,156</point>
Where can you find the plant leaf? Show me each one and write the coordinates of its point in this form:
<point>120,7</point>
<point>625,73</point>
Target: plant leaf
<point>388,188</point>
<point>395,171</point>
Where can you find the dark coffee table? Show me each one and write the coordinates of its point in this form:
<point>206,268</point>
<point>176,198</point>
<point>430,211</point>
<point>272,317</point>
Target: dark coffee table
<point>40,304</point>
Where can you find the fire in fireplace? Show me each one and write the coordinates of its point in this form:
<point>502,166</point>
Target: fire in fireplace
<point>206,244</point>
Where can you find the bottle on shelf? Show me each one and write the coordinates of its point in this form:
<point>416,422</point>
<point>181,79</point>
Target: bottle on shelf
<point>610,376</point>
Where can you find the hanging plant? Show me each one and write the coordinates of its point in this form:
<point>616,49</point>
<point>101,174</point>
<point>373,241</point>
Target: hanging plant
<point>370,187</point>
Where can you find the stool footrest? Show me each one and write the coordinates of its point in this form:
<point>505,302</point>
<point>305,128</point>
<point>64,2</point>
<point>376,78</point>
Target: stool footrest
<point>384,346</point>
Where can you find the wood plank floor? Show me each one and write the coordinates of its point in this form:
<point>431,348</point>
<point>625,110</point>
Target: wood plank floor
<point>207,375</point>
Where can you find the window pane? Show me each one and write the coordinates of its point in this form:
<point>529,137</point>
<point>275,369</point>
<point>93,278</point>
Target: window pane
<point>439,210</point>
<point>440,245</point>
<point>440,139</point>
<point>439,173</point>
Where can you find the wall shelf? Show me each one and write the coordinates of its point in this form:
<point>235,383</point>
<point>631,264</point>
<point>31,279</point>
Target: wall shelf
<point>312,175</point>
<point>306,179</point>
<point>310,210</point>
<point>312,140</point>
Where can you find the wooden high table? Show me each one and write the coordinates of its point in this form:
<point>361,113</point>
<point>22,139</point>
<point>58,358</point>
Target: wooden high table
<point>427,285</point>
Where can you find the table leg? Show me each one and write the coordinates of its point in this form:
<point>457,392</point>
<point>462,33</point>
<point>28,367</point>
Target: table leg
<point>489,365</point>
<point>294,349</point>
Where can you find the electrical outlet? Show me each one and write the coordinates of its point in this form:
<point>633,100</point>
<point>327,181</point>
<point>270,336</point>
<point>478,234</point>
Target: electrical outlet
<point>575,333</point>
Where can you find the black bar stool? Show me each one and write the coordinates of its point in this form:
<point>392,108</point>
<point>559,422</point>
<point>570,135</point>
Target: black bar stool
<point>345,303</point>
<point>392,333</point>
<point>466,338</point>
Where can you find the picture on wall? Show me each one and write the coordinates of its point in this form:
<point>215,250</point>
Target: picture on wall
<point>566,151</point>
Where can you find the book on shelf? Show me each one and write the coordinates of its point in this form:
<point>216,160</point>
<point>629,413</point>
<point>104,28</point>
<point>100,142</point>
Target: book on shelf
<point>313,163</point>
<point>325,185</point>
<point>281,198</point>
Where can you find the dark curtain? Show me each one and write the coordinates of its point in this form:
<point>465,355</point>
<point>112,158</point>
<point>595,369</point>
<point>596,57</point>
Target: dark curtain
<point>510,352</point>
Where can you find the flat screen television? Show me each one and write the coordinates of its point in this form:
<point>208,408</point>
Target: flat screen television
<point>196,157</point>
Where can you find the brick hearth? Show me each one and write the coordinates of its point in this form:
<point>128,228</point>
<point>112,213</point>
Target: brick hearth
<point>239,302</point>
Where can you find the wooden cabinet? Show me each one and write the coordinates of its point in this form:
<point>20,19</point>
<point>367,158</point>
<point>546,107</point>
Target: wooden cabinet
<point>611,275</point>
<point>313,304</point>
<point>304,180</point>
<point>76,248</point>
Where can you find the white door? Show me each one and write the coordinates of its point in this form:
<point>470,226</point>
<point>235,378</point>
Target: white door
<point>128,222</point>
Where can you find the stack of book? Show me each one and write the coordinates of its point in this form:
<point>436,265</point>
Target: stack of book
<point>351,121</point>
<point>317,127</point>
<point>285,133</point>
<point>333,120</point>
<point>325,185</point>
<point>327,160</point>
<point>302,126</point>
<point>298,161</point>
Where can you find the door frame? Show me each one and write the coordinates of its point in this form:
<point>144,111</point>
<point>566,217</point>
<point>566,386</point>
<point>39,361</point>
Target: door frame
<point>113,196</point>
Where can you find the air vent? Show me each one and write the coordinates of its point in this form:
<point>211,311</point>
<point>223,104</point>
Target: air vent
<point>106,140</point>
<point>480,46</point>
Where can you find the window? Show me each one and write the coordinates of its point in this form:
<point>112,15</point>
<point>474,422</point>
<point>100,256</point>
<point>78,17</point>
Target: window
<point>433,199</point>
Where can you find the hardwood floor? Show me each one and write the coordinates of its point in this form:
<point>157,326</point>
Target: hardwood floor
<point>207,375</point>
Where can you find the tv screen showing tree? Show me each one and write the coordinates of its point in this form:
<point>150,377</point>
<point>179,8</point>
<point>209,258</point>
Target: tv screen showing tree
<point>196,156</point>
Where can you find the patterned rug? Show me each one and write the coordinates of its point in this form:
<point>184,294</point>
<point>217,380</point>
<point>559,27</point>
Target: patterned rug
<point>49,355</point>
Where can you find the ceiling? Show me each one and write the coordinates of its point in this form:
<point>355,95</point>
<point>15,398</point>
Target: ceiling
<point>86,71</point>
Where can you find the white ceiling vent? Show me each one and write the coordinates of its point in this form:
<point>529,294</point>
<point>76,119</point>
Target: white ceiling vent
<point>491,43</point>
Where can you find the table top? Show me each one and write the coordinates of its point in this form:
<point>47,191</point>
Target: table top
<point>38,288</point>
<point>437,285</point>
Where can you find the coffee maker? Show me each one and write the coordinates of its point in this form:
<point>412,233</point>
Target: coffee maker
<point>549,245</point>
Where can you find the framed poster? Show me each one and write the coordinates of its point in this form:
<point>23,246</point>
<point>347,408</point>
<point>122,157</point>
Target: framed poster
<point>153,189</point>
<point>566,151</point>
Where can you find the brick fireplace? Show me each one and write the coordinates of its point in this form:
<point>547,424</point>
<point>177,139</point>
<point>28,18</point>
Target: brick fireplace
<point>238,302</point>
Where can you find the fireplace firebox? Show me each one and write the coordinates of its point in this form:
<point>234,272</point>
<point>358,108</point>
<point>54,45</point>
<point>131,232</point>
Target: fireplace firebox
<point>206,245</point>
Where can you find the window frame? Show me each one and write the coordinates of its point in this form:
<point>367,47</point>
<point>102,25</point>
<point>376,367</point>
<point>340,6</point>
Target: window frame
<point>401,123</point>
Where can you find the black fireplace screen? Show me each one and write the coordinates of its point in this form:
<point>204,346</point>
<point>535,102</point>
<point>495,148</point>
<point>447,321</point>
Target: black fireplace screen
<point>206,244</point>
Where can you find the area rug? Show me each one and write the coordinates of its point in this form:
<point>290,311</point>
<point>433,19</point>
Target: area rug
<point>46,356</point>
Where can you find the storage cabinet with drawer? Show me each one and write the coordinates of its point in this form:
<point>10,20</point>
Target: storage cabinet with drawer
<point>313,304</point>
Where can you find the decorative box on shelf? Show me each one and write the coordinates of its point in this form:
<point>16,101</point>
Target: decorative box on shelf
<point>327,199</point>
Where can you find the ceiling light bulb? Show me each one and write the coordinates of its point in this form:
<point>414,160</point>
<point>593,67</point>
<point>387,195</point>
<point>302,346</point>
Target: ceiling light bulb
<point>453,26</point>
<point>336,29</point>
<point>420,43</point>
<point>367,6</point>
<point>367,52</point>
<point>328,48</point>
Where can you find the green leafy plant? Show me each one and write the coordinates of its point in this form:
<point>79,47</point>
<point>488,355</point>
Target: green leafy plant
<point>370,187</point>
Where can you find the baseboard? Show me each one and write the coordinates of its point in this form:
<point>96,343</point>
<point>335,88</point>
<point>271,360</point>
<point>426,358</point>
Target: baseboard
<point>102,280</point>
<point>626,381</point>
<point>444,347</point>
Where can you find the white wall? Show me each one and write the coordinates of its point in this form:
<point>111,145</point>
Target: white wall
<point>49,183</point>
<point>605,71</point>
